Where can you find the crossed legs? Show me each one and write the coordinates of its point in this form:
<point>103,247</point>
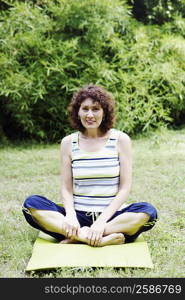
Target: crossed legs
<point>127,223</point>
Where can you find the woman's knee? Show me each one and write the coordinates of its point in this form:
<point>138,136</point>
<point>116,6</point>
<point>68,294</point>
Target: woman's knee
<point>35,202</point>
<point>30,202</point>
<point>151,210</point>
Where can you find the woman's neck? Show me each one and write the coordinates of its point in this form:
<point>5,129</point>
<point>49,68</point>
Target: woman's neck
<point>92,134</point>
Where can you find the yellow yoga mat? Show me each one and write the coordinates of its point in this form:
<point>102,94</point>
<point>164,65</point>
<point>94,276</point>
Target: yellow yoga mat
<point>49,254</point>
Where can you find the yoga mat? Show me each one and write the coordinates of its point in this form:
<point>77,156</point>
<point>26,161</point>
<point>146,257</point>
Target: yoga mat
<point>49,254</point>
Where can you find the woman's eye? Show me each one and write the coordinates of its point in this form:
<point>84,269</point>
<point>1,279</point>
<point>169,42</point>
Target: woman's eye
<point>94,109</point>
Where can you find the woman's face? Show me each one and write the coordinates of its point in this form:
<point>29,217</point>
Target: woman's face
<point>91,114</point>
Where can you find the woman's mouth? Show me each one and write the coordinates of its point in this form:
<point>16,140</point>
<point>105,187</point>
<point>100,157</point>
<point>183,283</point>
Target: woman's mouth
<point>90,122</point>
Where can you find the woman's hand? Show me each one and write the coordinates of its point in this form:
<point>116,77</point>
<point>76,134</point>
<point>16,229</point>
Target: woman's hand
<point>71,226</point>
<point>95,232</point>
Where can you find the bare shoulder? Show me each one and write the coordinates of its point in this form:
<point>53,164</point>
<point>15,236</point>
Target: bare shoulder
<point>65,144</point>
<point>124,138</point>
<point>124,143</point>
<point>66,140</point>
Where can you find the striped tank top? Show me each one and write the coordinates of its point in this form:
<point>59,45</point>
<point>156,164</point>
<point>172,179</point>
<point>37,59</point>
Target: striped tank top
<point>95,174</point>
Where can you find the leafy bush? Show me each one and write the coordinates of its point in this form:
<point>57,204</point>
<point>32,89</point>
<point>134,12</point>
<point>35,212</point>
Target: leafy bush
<point>152,76</point>
<point>49,51</point>
<point>51,48</point>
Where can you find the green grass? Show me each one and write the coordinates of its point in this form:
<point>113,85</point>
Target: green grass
<point>158,177</point>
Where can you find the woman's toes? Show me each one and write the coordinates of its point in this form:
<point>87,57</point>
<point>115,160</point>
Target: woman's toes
<point>120,238</point>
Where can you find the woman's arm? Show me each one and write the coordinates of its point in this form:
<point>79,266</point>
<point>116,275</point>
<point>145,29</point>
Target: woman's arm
<point>66,175</point>
<point>71,223</point>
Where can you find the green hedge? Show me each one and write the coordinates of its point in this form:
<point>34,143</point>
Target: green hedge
<point>51,48</point>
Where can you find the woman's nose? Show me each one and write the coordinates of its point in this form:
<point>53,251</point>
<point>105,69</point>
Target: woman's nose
<point>90,113</point>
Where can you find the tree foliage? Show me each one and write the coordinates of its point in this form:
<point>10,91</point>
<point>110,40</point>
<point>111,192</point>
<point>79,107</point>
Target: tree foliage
<point>49,49</point>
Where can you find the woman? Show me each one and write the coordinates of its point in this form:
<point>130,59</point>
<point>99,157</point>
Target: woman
<point>96,171</point>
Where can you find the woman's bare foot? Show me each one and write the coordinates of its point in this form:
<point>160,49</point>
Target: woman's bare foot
<point>111,239</point>
<point>69,241</point>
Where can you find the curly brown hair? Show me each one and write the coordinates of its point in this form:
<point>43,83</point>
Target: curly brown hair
<point>97,94</point>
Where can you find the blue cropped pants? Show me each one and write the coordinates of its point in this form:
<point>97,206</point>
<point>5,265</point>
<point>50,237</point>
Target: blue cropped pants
<point>84,218</point>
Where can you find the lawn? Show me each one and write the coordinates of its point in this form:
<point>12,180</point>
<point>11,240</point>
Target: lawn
<point>158,178</point>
